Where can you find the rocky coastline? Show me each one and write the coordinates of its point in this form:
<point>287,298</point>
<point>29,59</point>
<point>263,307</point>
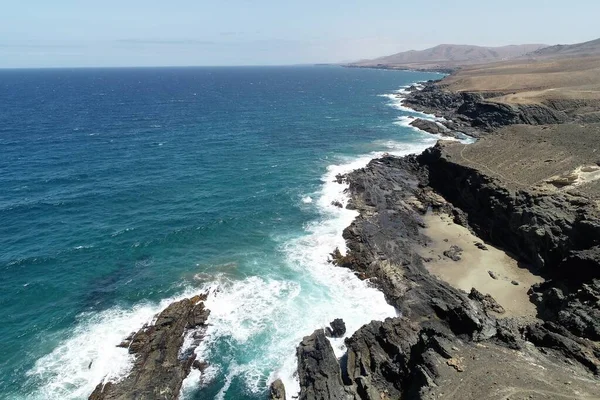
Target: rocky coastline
<point>441,69</point>
<point>445,342</point>
<point>160,362</point>
<point>449,343</point>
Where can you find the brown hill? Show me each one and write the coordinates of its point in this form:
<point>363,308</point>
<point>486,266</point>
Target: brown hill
<point>586,49</point>
<point>449,56</point>
<point>565,78</point>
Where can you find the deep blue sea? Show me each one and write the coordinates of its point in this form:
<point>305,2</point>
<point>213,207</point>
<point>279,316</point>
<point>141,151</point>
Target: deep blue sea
<point>122,190</point>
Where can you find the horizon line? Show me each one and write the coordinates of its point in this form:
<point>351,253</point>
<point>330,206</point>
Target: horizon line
<point>173,66</point>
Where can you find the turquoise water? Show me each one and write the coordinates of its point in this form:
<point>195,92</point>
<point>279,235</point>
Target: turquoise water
<point>124,189</point>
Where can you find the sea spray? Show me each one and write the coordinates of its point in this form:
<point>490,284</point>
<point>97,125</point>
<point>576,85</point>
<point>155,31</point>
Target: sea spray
<point>282,313</point>
<point>91,356</point>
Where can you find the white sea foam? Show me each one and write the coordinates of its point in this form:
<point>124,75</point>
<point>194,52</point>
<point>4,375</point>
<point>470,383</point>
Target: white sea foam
<point>307,200</point>
<point>397,102</point>
<point>89,356</point>
<point>269,316</point>
<point>83,247</point>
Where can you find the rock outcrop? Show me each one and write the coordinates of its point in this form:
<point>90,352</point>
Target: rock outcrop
<point>445,336</point>
<point>446,343</point>
<point>474,110</point>
<point>337,328</point>
<point>543,228</point>
<point>318,369</point>
<point>160,364</point>
<point>432,127</point>
<point>557,232</point>
<point>277,390</point>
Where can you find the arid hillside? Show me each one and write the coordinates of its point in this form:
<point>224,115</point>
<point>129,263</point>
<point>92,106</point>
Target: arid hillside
<point>449,56</point>
<point>564,78</point>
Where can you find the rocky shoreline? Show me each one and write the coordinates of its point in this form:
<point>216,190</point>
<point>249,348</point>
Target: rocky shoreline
<point>441,70</point>
<point>448,343</point>
<point>160,362</point>
<point>445,342</point>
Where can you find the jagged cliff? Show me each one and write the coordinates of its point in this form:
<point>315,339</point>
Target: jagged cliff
<point>444,335</point>
<point>447,343</point>
<point>475,110</point>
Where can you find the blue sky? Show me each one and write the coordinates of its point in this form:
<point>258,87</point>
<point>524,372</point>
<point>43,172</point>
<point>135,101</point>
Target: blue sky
<point>68,33</point>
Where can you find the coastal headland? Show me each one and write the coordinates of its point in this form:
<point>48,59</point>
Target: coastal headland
<point>490,251</point>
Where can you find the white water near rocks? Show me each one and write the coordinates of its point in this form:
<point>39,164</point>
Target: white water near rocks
<point>259,319</point>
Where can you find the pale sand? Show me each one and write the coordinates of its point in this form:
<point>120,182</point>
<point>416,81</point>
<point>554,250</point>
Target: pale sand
<point>472,270</point>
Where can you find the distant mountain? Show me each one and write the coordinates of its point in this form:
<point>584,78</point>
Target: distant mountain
<point>449,56</point>
<point>591,48</point>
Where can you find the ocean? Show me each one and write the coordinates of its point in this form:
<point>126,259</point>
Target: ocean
<point>122,190</point>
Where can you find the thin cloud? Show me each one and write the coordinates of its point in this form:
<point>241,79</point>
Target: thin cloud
<point>39,46</point>
<point>186,42</point>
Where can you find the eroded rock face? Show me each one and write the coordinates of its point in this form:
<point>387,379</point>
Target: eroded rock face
<point>559,233</point>
<point>159,367</point>
<point>474,110</point>
<point>577,310</point>
<point>431,127</point>
<point>318,370</point>
<point>444,331</point>
<point>382,242</point>
<point>543,228</point>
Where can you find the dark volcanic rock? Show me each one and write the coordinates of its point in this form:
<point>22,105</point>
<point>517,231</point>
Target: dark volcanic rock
<point>405,357</point>
<point>389,224</point>
<point>277,390</point>
<point>431,127</point>
<point>578,310</point>
<point>488,302</point>
<point>558,233</point>
<point>408,357</point>
<point>542,228</point>
<point>395,357</point>
<point>338,328</point>
<point>493,115</point>
<point>318,370</point>
<point>481,246</point>
<point>558,339</point>
<point>159,368</point>
<point>473,110</point>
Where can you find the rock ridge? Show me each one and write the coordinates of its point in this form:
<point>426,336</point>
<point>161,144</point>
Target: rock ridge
<point>476,112</point>
<point>443,332</point>
<point>160,364</point>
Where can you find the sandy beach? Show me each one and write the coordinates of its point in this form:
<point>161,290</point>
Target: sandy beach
<point>476,266</point>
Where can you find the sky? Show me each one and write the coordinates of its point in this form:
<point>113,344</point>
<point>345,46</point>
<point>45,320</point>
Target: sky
<point>113,33</point>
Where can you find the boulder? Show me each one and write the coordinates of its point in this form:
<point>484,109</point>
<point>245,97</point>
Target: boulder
<point>453,253</point>
<point>337,329</point>
<point>277,390</point>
